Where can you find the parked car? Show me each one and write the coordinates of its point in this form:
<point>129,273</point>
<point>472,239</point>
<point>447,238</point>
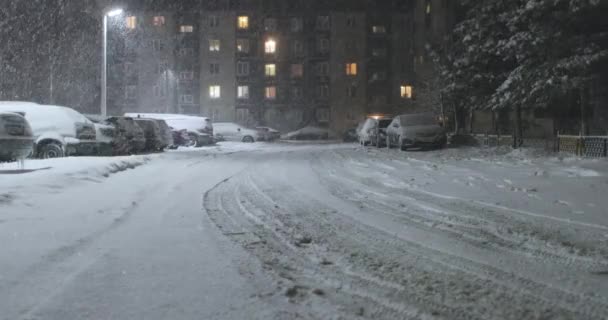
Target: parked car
<point>417,130</point>
<point>309,133</point>
<point>57,131</point>
<point>228,131</point>
<point>106,135</point>
<point>200,129</point>
<point>377,134</point>
<point>130,132</point>
<point>166,134</point>
<point>268,134</point>
<point>16,138</point>
<point>365,131</point>
<point>181,139</point>
<point>154,139</point>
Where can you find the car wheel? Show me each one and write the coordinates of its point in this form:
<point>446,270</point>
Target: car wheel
<point>192,141</point>
<point>248,139</point>
<point>50,151</point>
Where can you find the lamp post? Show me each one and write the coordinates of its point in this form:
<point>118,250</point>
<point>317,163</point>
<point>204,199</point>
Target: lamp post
<point>104,66</point>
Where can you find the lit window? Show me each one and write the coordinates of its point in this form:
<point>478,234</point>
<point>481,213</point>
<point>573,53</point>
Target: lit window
<point>322,115</point>
<point>131,22</point>
<point>214,45</point>
<point>242,45</point>
<point>407,92</point>
<point>296,24</point>
<point>214,92</point>
<point>214,21</point>
<point>270,24</point>
<point>379,29</point>
<point>243,22</point>
<point>186,29</point>
<point>271,93</point>
<point>158,21</point>
<point>297,70</point>
<point>428,7</point>
<point>351,69</point>
<point>270,70</point>
<point>270,46</point>
<point>187,98</point>
<point>242,68</point>
<point>243,92</point>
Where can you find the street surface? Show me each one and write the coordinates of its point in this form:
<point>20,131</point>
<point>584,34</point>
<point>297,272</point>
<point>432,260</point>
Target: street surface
<point>305,231</point>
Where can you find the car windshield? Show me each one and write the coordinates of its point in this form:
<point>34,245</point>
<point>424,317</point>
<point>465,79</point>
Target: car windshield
<point>384,123</point>
<point>419,120</point>
<point>303,159</point>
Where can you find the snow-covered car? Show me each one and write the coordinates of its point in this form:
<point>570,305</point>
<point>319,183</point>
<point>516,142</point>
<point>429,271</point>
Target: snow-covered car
<point>16,139</point>
<point>365,131</point>
<point>166,134</point>
<point>417,130</point>
<point>200,129</point>
<point>228,131</point>
<point>268,134</point>
<point>154,139</point>
<point>57,131</point>
<point>128,130</point>
<point>105,135</point>
<point>377,134</point>
<point>308,133</point>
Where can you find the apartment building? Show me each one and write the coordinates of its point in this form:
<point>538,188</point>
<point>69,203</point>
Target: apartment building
<point>277,63</point>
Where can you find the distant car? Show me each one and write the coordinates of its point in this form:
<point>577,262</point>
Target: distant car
<point>166,134</point>
<point>57,131</point>
<point>16,139</point>
<point>419,130</point>
<point>200,129</point>
<point>130,132</point>
<point>229,131</point>
<point>268,134</point>
<point>154,139</point>
<point>378,133</point>
<point>308,133</point>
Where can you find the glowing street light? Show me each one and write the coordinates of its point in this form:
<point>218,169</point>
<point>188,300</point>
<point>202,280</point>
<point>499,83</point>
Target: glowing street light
<point>104,68</point>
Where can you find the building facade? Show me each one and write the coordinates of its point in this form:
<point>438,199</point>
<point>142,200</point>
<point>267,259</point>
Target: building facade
<point>285,64</point>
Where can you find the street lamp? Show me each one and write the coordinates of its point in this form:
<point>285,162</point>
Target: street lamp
<point>104,66</point>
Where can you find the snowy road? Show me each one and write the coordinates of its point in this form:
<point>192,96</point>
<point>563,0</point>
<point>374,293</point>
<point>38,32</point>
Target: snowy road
<point>306,232</point>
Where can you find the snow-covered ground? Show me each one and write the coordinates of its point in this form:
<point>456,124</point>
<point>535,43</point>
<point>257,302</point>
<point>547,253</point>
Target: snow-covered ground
<point>306,231</point>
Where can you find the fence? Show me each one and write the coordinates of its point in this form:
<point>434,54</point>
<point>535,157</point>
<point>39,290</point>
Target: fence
<point>584,146</point>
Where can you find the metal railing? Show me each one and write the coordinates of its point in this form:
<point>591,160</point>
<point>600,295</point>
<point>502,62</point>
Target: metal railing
<point>584,146</point>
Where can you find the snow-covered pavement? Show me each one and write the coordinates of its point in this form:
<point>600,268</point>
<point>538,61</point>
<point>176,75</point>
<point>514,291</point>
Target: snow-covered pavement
<point>305,231</point>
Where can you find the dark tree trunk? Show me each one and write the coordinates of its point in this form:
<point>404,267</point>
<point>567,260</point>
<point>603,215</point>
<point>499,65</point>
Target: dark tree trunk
<point>518,134</point>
